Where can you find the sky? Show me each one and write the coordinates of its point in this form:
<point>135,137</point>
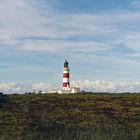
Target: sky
<point>99,38</point>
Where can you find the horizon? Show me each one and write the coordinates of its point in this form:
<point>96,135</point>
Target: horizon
<point>99,39</point>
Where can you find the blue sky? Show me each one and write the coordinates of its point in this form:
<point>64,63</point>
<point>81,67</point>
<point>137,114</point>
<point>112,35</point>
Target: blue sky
<point>100,39</point>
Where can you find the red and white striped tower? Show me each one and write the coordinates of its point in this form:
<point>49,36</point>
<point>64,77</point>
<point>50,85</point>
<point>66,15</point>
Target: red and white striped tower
<point>66,81</point>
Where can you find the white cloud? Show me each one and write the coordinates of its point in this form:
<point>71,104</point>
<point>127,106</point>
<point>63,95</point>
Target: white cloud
<point>42,87</point>
<point>136,4</point>
<point>25,26</point>
<point>87,85</point>
<point>59,45</point>
<point>28,69</point>
<point>23,19</point>
<point>10,87</point>
<point>133,41</point>
<point>95,86</point>
<point>106,86</point>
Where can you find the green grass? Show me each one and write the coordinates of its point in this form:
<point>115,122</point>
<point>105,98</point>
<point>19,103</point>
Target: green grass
<point>70,117</point>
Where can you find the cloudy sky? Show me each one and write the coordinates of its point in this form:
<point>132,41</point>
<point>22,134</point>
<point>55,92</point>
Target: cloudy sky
<point>99,38</point>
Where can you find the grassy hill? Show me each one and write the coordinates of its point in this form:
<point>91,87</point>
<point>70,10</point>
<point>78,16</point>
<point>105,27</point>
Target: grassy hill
<point>70,117</point>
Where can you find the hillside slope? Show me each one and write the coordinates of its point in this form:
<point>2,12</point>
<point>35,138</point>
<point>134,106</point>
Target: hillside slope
<point>70,117</point>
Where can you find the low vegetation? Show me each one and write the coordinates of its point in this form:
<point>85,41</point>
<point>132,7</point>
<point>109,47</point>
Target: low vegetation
<point>96,116</point>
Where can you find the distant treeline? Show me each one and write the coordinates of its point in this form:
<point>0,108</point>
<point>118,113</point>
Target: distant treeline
<point>87,116</point>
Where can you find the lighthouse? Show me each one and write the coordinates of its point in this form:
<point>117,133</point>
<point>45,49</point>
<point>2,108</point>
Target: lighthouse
<point>66,76</point>
<point>66,88</point>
